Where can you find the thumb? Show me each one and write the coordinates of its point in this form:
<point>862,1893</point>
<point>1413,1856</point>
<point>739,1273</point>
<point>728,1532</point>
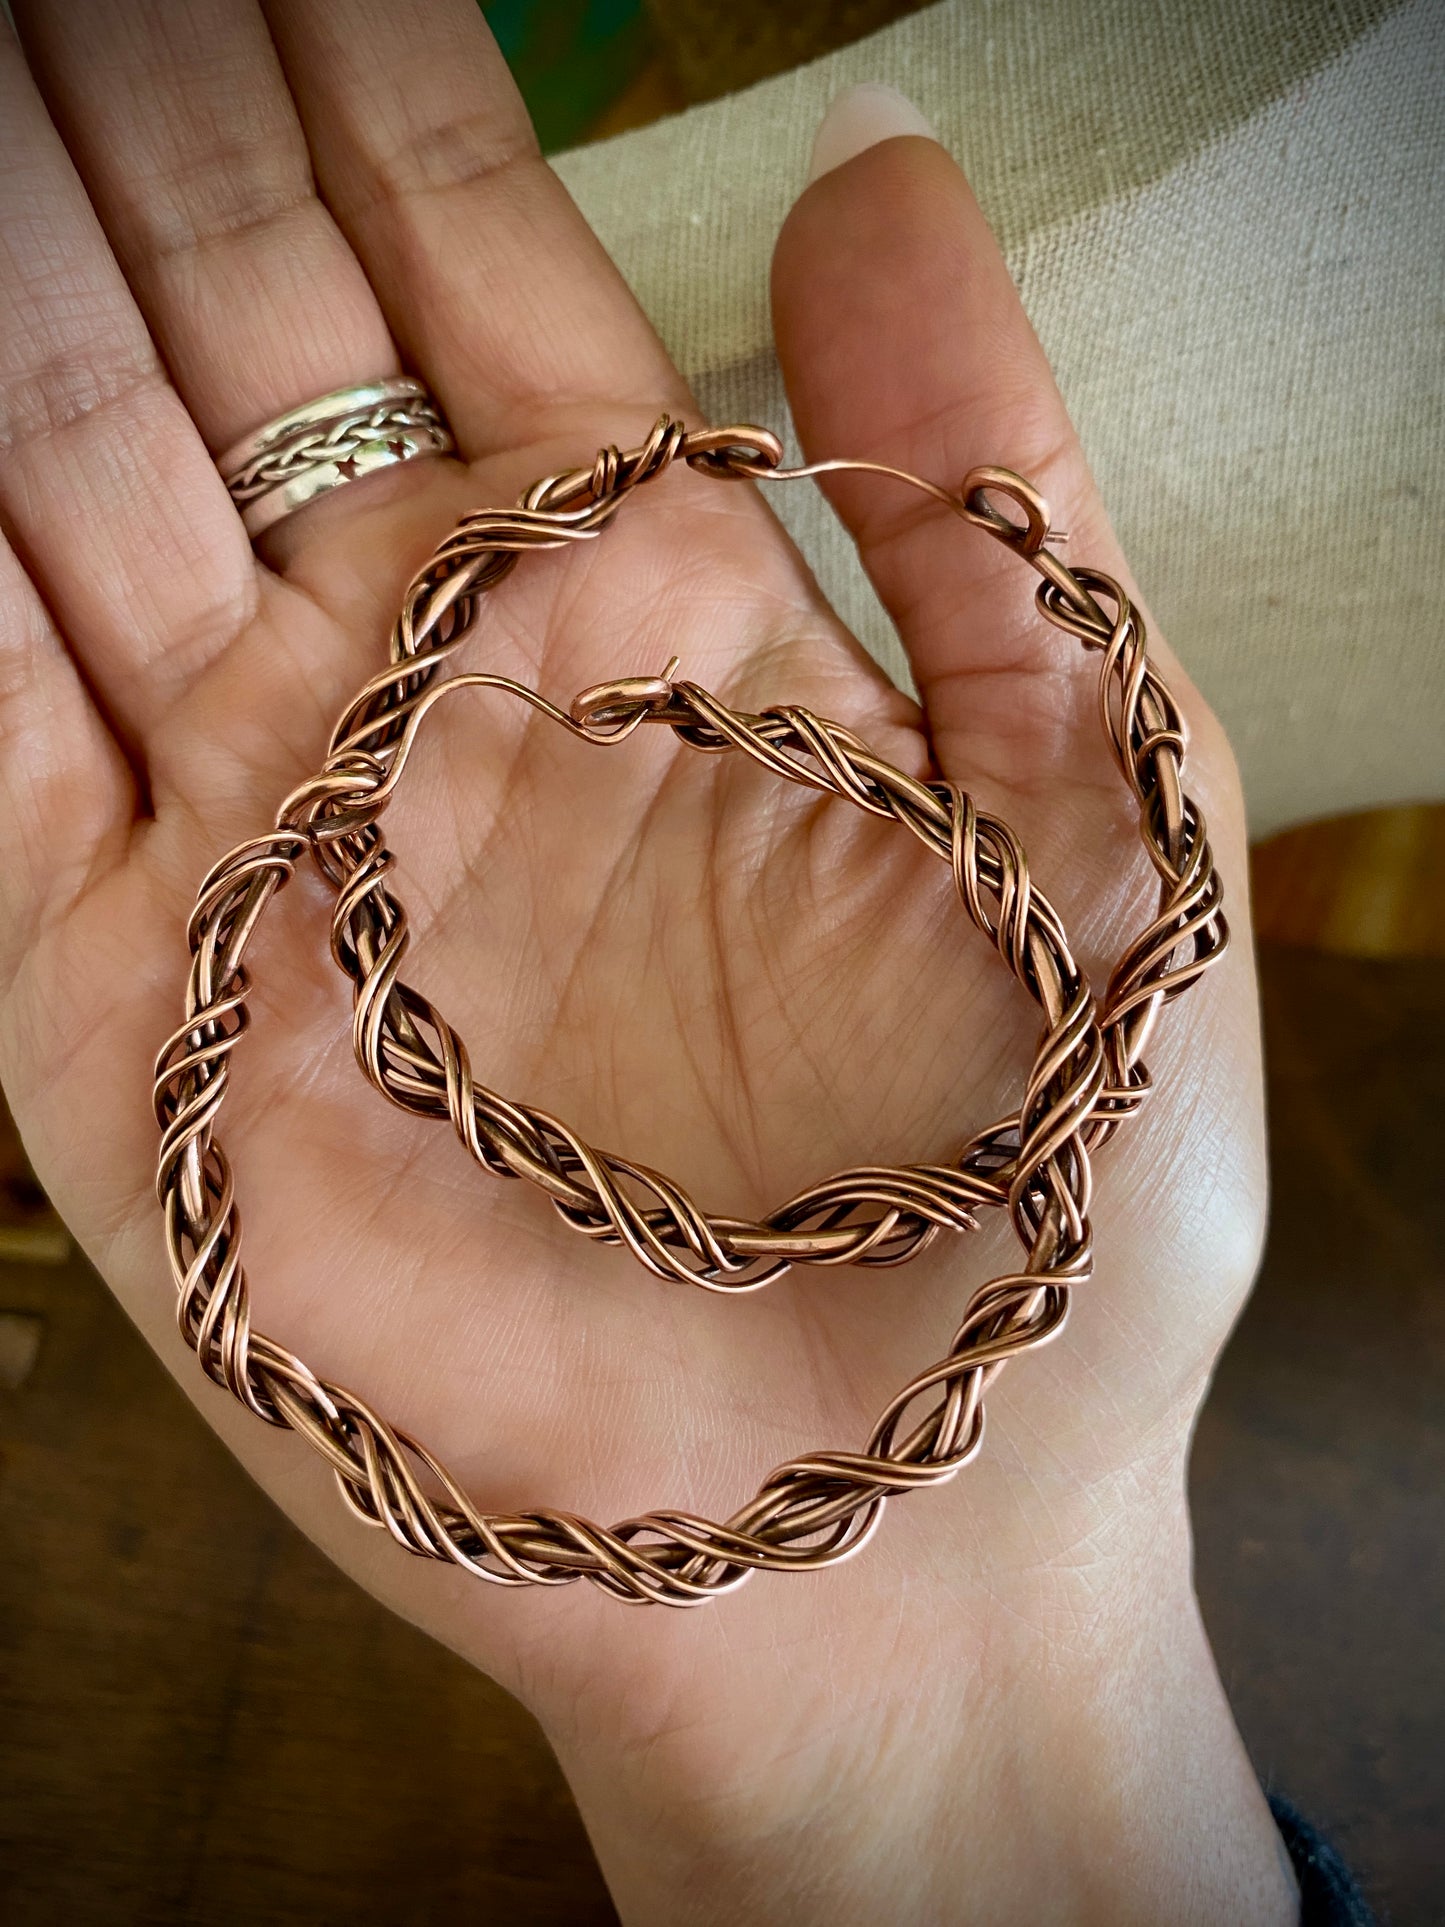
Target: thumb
<point>903,340</point>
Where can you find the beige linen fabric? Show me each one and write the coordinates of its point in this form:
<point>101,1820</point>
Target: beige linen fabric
<point>1228,225</point>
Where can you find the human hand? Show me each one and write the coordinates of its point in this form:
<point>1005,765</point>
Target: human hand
<point>767,987</point>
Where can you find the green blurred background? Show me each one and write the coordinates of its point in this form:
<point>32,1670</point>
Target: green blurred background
<point>590,68</point>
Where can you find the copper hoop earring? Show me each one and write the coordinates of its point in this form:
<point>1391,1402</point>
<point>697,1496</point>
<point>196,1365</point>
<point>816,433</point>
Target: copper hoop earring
<point>1088,1076</point>
<point>870,1215</point>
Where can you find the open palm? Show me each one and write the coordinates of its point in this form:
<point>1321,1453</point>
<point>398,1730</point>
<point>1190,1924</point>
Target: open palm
<point>737,982</point>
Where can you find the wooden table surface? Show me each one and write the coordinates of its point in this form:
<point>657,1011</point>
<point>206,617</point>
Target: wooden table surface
<point>155,1611</point>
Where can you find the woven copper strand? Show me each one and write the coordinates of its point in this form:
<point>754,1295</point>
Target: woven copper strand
<point>871,1215</point>
<point>812,1511</point>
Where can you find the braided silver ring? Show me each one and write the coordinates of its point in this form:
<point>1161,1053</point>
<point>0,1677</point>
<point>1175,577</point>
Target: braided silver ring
<point>324,444</point>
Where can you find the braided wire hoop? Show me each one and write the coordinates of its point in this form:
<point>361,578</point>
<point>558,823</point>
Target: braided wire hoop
<point>1088,1075</point>
<point>872,1215</point>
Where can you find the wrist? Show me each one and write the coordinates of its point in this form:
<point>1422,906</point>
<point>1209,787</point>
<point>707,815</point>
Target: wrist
<point>1062,1750</point>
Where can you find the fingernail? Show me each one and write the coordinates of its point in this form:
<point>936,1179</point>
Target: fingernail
<point>861,117</point>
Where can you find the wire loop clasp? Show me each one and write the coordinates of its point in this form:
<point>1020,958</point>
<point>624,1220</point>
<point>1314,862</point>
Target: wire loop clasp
<point>607,712</point>
<point>1026,538</point>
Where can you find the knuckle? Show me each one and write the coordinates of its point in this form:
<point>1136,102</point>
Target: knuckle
<point>460,152</point>
<point>70,383</point>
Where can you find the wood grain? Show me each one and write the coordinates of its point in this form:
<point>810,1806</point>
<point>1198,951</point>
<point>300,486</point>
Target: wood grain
<point>1370,885</point>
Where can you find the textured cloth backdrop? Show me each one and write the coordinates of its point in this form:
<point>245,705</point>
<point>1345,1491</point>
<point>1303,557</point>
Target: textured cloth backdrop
<point>1228,224</point>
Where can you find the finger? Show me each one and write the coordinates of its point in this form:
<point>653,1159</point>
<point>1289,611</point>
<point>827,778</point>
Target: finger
<point>495,286</point>
<point>502,297</point>
<point>65,791</point>
<point>903,340</point>
<point>107,493</point>
<point>182,127</point>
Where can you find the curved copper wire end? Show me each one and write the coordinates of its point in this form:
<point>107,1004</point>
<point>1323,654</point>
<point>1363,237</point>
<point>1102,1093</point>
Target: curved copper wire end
<point>606,712</point>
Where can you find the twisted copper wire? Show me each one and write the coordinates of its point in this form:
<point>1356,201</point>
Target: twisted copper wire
<point>1087,1076</point>
<point>871,1215</point>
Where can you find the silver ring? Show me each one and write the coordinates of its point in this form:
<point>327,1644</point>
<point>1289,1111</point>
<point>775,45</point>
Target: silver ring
<point>327,443</point>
